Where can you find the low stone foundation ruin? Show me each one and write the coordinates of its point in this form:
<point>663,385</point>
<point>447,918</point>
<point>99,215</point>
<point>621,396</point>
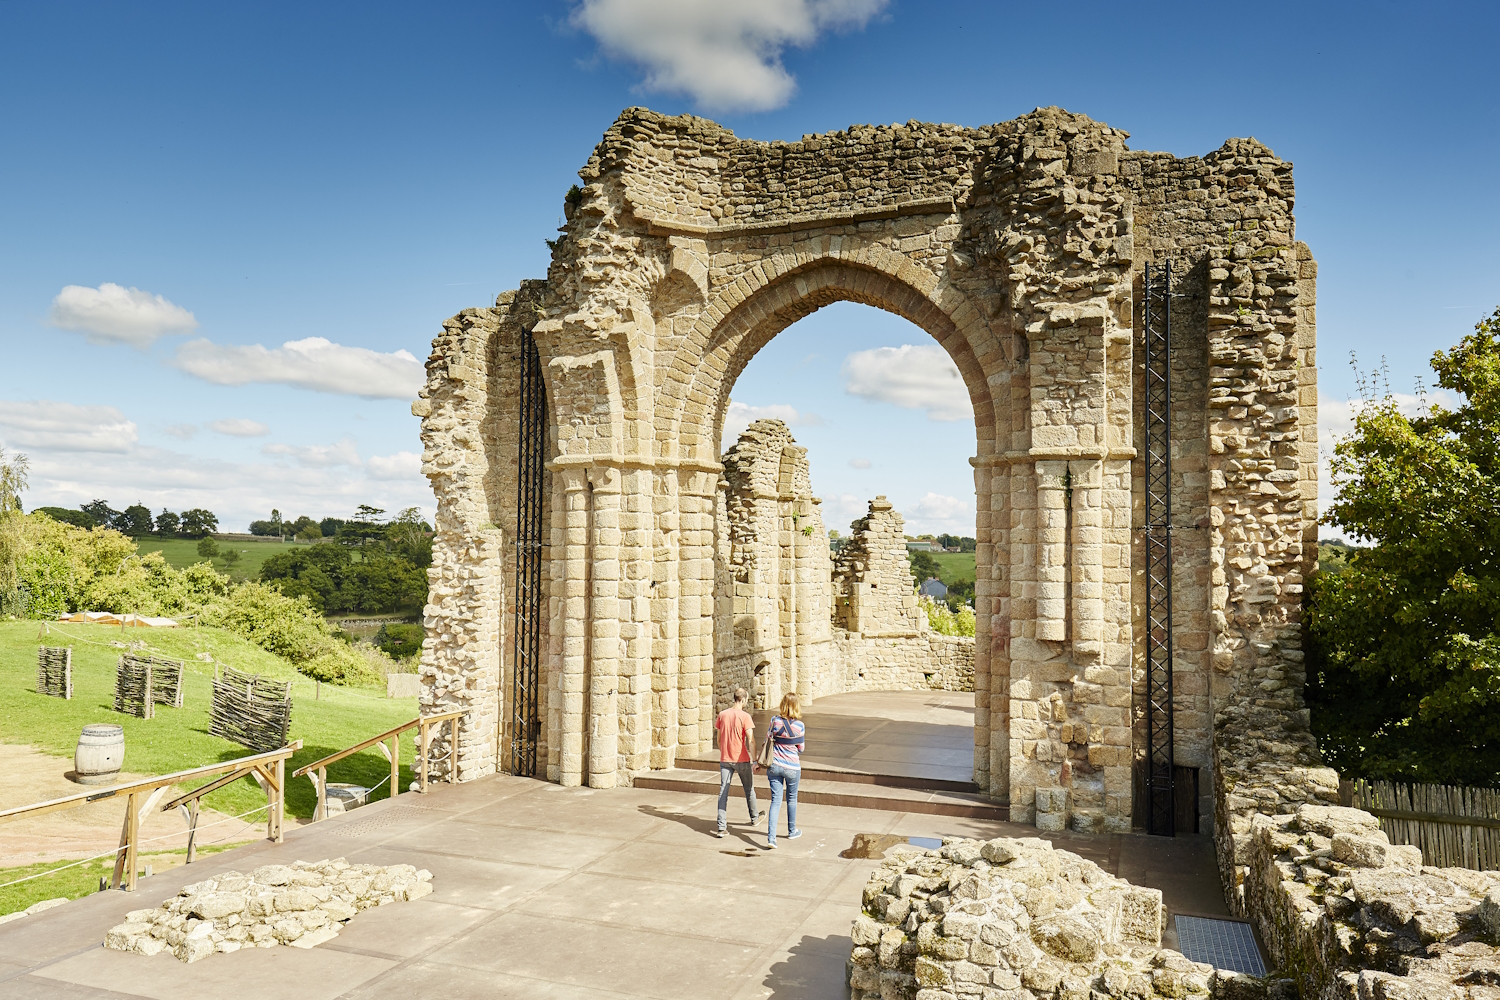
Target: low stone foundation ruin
<point>1013,918</point>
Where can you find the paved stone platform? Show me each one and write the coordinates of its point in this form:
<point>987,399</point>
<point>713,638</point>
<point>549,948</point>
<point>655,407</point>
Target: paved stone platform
<point>549,892</point>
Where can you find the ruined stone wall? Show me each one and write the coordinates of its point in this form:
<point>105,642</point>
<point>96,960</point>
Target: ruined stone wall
<point>1244,434</point>
<point>874,589</point>
<point>1344,912</point>
<point>1017,247</point>
<point>927,662</point>
<point>772,632</point>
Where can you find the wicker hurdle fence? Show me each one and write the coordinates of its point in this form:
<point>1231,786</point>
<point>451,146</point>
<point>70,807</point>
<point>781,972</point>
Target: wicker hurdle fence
<point>54,671</point>
<point>251,710</point>
<point>143,682</point>
<point>1455,827</point>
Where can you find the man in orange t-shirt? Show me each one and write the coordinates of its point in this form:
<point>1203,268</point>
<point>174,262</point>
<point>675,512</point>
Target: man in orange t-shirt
<point>736,732</point>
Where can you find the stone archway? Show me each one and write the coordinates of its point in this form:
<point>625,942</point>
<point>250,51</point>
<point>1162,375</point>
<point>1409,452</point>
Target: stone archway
<point>1018,247</point>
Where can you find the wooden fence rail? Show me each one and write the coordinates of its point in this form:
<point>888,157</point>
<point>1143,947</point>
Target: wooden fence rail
<point>1455,827</point>
<point>317,771</point>
<point>141,796</point>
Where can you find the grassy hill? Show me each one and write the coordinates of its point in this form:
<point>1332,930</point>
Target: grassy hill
<point>326,718</point>
<point>181,553</point>
<point>956,567</point>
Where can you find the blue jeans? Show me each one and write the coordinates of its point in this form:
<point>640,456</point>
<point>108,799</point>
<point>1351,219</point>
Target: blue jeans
<point>727,771</point>
<point>783,785</point>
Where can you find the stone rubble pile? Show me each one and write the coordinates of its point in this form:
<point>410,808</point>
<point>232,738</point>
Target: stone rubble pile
<point>302,904</point>
<point>1014,919</point>
<point>1355,916</point>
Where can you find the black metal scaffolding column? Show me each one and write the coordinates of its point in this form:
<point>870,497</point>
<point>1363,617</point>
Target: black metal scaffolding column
<point>526,635</point>
<point>1160,811</point>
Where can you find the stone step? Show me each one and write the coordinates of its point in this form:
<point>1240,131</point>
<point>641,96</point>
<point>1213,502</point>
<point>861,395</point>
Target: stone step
<point>818,791</point>
<point>811,770</point>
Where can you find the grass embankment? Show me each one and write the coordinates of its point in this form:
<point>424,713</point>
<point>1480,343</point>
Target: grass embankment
<point>81,880</point>
<point>326,718</point>
<point>180,553</point>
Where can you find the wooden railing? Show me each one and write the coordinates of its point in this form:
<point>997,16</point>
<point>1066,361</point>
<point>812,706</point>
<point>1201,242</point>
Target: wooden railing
<point>141,796</point>
<point>317,771</point>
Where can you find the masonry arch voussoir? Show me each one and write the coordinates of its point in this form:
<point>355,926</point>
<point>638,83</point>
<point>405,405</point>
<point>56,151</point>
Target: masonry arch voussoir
<point>717,349</point>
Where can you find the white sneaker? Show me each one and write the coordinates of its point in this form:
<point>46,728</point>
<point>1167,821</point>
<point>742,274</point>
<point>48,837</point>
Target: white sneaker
<point>770,845</point>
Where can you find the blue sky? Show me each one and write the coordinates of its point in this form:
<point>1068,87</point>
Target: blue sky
<point>355,173</point>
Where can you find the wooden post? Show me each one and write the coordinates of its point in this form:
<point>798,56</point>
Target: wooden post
<point>132,834</point>
<point>280,805</point>
<point>192,850</point>
<point>453,750</point>
<point>320,783</point>
<point>116,879</point>
<point>395,766</point>
<point>422,743</point>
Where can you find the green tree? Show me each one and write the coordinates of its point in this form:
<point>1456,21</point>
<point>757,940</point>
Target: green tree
<point>924,566</point>
<point>135,521</point>
<point>199,522</point>
<point>12,543</point>
<point>1404,663</point>
<point>167,523</point>
<point>67,515</point>
<point>207,547</point>
<point>103,514</point>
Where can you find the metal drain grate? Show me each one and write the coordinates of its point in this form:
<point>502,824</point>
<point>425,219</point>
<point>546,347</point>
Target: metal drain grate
<point>1224,944</point>
<point>395,814</point>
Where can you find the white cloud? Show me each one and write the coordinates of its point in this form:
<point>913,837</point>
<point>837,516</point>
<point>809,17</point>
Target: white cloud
<point>859,463</point>
<point>937,507</point>
<point>318,456</point>
<point>912,376</point>
<point>115,314</point>
<point>741,415</point>
<point>181,432</point>
<point>239,427</point>
<point>45,424</point>
<point>724,54</point>
<point>402,465</point>
<point>313,363</point>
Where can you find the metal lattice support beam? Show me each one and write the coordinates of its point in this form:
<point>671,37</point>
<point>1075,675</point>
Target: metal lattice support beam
<point>525,725</point>
<point>1160,792</point>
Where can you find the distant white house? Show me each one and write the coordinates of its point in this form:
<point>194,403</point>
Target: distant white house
<point>934,588</point>
<point>923,546</point>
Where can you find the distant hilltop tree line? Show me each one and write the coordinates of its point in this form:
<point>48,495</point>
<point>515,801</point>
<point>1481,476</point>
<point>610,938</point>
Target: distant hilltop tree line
<point>375,565</point>
<point>136,520</point>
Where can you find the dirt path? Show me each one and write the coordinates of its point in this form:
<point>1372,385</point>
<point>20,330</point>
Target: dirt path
<point>27,775</point>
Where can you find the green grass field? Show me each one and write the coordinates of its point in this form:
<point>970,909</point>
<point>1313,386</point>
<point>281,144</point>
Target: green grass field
<point>957,567</point>
<point>81,880</point>
<point>325,717</point>
<point>181,553</point>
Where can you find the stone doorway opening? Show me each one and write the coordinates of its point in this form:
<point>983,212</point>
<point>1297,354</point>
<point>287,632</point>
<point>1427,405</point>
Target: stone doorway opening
<point>841,423</point>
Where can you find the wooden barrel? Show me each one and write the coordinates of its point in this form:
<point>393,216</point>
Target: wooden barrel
<point>100,753</point>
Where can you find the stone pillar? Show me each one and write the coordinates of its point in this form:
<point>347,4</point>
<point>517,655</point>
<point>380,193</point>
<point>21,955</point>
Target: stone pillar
<point>602,721</point>
<point>572,683</point>
<point>666,618</point>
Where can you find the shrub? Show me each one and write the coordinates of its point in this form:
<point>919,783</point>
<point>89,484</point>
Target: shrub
<point>400,640</point>
<point>946,622</point>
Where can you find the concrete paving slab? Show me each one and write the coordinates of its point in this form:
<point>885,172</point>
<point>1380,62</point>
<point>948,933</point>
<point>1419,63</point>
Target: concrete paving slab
<point>401,932</point>
<point>626,960</point>
<point>35,988</point>
<point>744,917</point>
<point>468,882</point>
<point>762,871</point>
<point>253,974</point>
<point>548,848</point>
<point>427,979</point>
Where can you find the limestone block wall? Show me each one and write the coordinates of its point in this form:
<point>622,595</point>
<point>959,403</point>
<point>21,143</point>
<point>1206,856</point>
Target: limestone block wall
<point>772,632</point>
<point>929,662</point>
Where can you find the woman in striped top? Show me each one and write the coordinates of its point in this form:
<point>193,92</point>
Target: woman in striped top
<point>787,735</point>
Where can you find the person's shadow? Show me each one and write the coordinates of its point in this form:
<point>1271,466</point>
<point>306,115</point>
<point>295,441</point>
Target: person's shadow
<point>814,968</point>
<point>738,832</point>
